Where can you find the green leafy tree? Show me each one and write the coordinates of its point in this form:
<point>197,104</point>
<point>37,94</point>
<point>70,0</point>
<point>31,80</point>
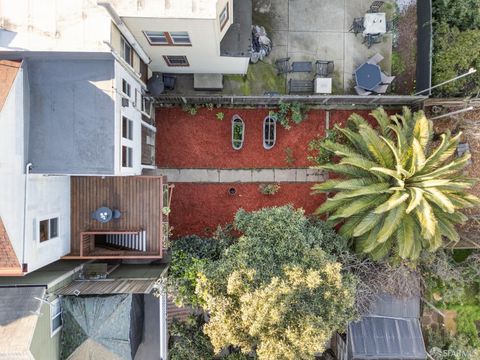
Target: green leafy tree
<point>189,256</point>
<point>276,292</point>
<point>455,52</point>
<point>398,191</point>
<point>463,14</point>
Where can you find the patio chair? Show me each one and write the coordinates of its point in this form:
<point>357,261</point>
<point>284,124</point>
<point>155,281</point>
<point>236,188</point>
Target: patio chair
<point>376,6</point>
<point>371,39</point>
<point>386,79</point>
<point>300,86</point>
<point>375,59</point>
<point>361,91</point>
<point>117,214</point>
<point>282,66</point>
<point>357,26</point>
<point>381,89</point>
<point>324,68</point>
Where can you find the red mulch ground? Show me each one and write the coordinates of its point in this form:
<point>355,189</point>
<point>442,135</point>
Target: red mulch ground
<point>199,208</point>
<point>202,141</point>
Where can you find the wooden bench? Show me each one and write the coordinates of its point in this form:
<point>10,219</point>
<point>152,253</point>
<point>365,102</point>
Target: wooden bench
<point>300,86</point>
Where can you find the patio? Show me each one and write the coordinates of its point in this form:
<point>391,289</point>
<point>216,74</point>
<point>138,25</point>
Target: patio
<point>305,30</point>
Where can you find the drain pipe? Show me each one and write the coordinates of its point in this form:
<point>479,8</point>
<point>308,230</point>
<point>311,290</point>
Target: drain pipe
<point>28,167</point>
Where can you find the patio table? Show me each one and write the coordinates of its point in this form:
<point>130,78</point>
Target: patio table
<point>302,66</point>
<point>374,23</point>
<point>323,85</point>
<point>368,76</point>
<point>103,214</point>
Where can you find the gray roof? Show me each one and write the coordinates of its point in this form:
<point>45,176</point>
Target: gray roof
<point>385,338</point>
<point>19,309</point>
<point>70,121</point>
<point>391,330</point>
<point>237,41</point>
<point>110,326</point>
<point>390,306</point>
<point>71,116</point>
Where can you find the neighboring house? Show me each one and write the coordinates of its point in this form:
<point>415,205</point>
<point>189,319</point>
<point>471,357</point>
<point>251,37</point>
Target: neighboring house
<point>174,36</point>
<point>49,324</point>
<point>64,114</point>
<point>391,330</point>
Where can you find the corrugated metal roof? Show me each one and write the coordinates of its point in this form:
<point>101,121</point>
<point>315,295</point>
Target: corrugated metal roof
<point>385,338</point>
<point>390,306</point>
<point>108,286</point>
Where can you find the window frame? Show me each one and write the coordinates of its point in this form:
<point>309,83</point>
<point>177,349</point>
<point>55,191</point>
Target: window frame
<point>274,140</point>
<point>237,121</point>
<point>124,44</point>
<point>49,220</point>
<point>167,60</point>
<point>127,94</point>
<point>226,11</point>
<point>128,156</point>
<point>169,38</point>
<point>53,305</point>
<point>128,129</point>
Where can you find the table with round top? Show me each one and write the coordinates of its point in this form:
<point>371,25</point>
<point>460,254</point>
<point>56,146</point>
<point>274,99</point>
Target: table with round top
<point>103,214</point>
<point>368,76</point>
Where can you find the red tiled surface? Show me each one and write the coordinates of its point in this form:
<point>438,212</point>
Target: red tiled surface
<point>203,141</point>
<point>199,208</point>
<point>8,259</point>
<point>8,72</point>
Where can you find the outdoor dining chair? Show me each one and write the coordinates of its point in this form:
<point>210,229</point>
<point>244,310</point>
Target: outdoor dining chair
<point>386,79</point>
<point>376,6</point>
<point>371,39</point>
<point>361,91</point>
<point>324,68</point>
<point>357,26</point>
<point>381,89</point>
<point>375,59</point>
<point>282,66</point>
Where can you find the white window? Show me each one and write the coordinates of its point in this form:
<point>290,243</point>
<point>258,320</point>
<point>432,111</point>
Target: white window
<point>55,317</point>
<point>126,88</point>
<point>224,16</point>
<point>269,132</point>
<point>127,156</point>
<point>168,38</point>
<point>48,229</point>
<point>126,51</point>
<point>176,60</point>
<point>127,128</point>
<point>146,106</point>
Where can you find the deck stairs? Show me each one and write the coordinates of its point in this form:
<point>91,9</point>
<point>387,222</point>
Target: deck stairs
<point>128,241</point>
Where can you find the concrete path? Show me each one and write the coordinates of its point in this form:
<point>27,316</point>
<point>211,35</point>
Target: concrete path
<point>241,175</point>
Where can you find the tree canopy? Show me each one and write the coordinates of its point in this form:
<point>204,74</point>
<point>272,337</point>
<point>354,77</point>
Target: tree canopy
<point>455,52</point>
<point>275,291</point>
<point>398,191</point>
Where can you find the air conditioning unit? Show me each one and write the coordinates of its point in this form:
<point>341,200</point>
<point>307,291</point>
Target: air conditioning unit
<point>125,102</point>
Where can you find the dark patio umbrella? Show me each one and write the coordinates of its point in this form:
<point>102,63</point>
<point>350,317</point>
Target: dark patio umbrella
<point>368,76</point>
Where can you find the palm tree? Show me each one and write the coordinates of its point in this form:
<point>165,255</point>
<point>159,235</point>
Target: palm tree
<point>396,191</point>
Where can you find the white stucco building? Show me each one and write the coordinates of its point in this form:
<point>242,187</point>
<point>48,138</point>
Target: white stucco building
<point>173,36</point>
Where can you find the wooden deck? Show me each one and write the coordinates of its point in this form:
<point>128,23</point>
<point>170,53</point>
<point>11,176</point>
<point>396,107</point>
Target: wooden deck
<point>140,200</point>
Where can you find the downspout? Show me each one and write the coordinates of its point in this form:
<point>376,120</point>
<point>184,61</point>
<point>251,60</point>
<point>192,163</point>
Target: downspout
<point>25,203</point>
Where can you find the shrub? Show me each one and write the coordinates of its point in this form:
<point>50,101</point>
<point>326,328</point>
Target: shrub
<point>187,341</point>
<point>275,291</point>
<point>189,256</point>
<point>288,112</point>
<point>455,53</point>
<point>220,116</point>
<point>269,189</point>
